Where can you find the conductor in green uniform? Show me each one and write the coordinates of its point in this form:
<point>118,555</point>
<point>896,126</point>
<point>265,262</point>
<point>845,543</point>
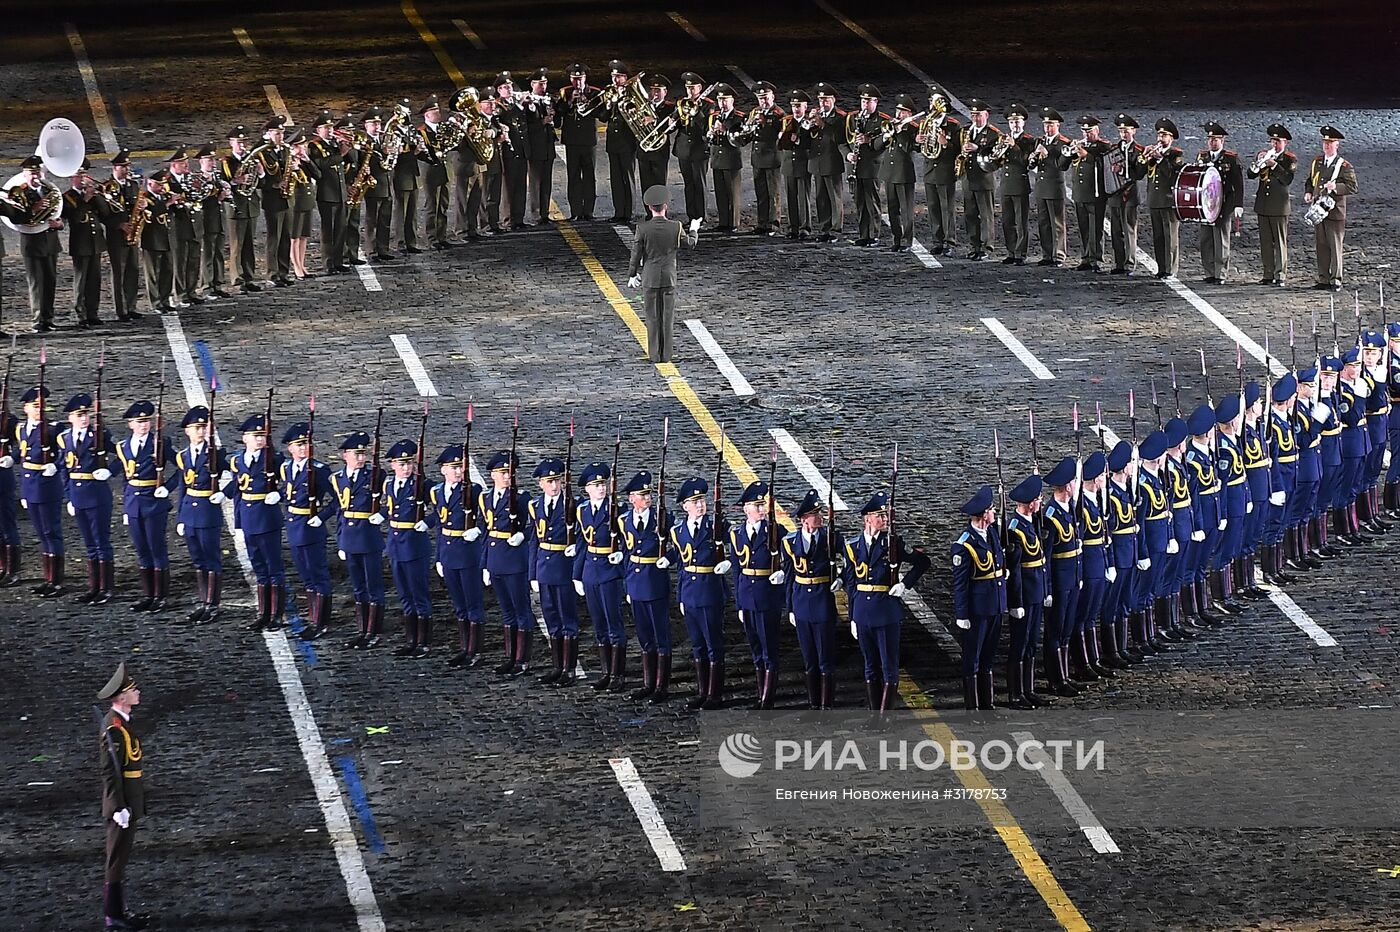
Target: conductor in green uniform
<point>653,267</point>
<point>123,800</point>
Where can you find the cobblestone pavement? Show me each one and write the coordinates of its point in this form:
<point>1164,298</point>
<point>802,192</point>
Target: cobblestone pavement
<point>474,801</point>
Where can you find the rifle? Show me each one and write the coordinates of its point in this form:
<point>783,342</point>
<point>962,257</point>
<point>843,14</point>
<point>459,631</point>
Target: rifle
<point>376,475</point>
<point>614,512</point>
<point>513,504</point>
<point>43,364</point>
<point>831,537</point>
<point>1210,400</point>
<point>1357,306</point>
<point>773,506</point>
<point>1137,473</point>
<point>1001,490</point>
<point>269,470</point>
<point>311,454</point>
<point>721,527</point>
<point>1156,402</point>
<point>1078,441</point>
<point>1239,371</point>
<point>661,488</point>
<point>1038,520</point>
<point>209,436</point>
<point>568,485</point>
<point>467,498</point>
<point>1332,310</point>
<point>5,421</point>
<point>1103,449</point>
<point>1176,390</point>
<point>894,554</point>
<point>99,447</point>
<point>419,498</point>
<point>158,452</point>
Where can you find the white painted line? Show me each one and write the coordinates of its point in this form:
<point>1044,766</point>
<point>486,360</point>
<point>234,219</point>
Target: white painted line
<point>268,770</point>
<point>921,253</point>
<point>471,35</point>
<point>937,629</point>
<point>368,278</point>
<point>652,824</point>
<point>279,106</point>
<point>414,365</point>
<point>1299,617</point>
<point>685,24</point>
<point>1223,322</point>
<point>804,465</point>
<point>48,782</point>
<point>244,40</point>
<point>716,352</point>
<point>389,763</point>
<point>1016,346</point>
<point>1068,796</point>
<point>624,233</point>
<point>95,101</point>
<point>742,75</point>
<point>886,51</point>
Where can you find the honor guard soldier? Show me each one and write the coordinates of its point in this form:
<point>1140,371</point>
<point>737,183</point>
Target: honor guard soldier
<point>1181,624</point>
<point>1304,504</point>
<point>85,213</point>
<point>598,577</point>
<point>553,521</point>
<point>979,180</point>
<point>329,153</point>
<point>41,487</point>
<point>1016,186</point>
<point>1215,237</point>
<point>1156,544</point>
<point>1049,188</point>
<point>653,167</point>
<point>121,762</point>
<point>942,155</point>
<point>1235,504</point>
<point>1391,364</point>
<point>198,474</point>
<point>378,200</point>
<point>513,150</point>
<point>9,520</point>
<point>897,172</point>
<point>1083,159</point>
<point>1125,556</point>
<point>620,143</point>
<point>452,509</point>
<point>39,250</point>
<point>809,563</point>
<point>578,130</point>
<point>155,243</point>
<point>214,252</point>
<point>1066,576</point>
<point>542,133</point>
<point>1282,438</point>
<point>410,547</point>
<point>647,584</point>
<point>1329,515</point>
<point>1160,163</point>
<point>761,128</point>
<point>1254,446</point>
<point>240,169</point>
<point>863,133</point>
<point>1027,596</point>
<point>1275,168</point>
<point>359,540</point>
<point>255,496</point>
<point>1210,520</point>
<point>186,231</point>
<point>437,171</point>
<point>795,144</point>
<point>979,596</point>
<point>874,587</point>
<point>698,552</point>
<point>84,449</point>
<point>405,181</point>
<point>146,503</point>
<point>1097,561</point>
<point>306,490</point>
<point>1352,392</point>
<point>123,257</point>
<point>1123,203</point>
<point>276,207</point>
<point>692,146</point>
<point>507,567</point>
<point>725,159</point>
<point>1373,373</point>
<point>758,589</point>
<point>829,148</point>
<point>1331,180</point>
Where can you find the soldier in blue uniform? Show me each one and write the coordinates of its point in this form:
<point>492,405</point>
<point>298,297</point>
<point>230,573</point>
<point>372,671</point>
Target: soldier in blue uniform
<point>874,588</point>
<point>1234,503</point>
<point>597,576</point>
<point>1183,617</point>
<point>1125,557</point>
<point>146,503</point>
<point>1093,538</point>
<point>507,567</point>
<point>199,519</point>
<point>1375,377</point>
<point>9,520</point>
<point>1066,575</point>
<point>1355,446</point>
<point>452,509</point>
<point>41,487</point>
<point>1209,519</point>
<point>1280,433</point>
<point>1027,597</point>
<point>1391,366</point>
<point>647,584</point>
<point>1302,519</point>
<point>809,563</point>
<point>1156,543</point>
<point>979,596</point>
<point>1257,470</point>
<point>84,457</point>
<point>410,547</point>
<point>359,540</point>
<point>255,497</point>
<point>703,589</point>
<point>758,592</point>
<point>553,521</point>
<point>1329,517</point>
<point>306,488</point>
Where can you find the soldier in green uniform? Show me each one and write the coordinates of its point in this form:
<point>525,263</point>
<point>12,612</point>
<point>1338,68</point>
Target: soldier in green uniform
<point>653,267</point>
<point>1083,159</point>
<point>305,178</point>
<point>155,243</point>
<point>725,159</point>
<point>214,254</point>
<point>621,146</point>
<point>327,152</point>
<point>539,127</point>
<point>1016,186</point>
<point>354,157</point>
<point>437,172</point>
<point>186,231</point>
<point>1215,237</point>
<point>276,206</point>
<point>941,178</point>
<point>897,172</point>
<point>1160,164</point>
<point>85,212</point>
<point>1123,203</point>
<point>863,132</point>
<point>39,250</point>
<point>1050,188</point>
<point>1274,167</point>
<point>653,167</point>
<point>241,211</point>
<point>123,799</point>
<point>1333,177</point>
<point>378,203</point>
<point>406,182</point>
<point>979,180</point>
<point>578,131</point>
<point>795,136</point>
<point>829,149</point>
<point>763,156</point>
<point>124,259</point>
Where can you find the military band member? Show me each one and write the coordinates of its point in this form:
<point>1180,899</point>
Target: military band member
<point>645,537</point>
<point>1065,576</point>
<point>979,596</point>
<point>39,250</point>
<point>1083,159</point>
<point>255,493</point>
<point>124,259</point>
<point>1333,177</point>
<point>437,172</point>
<point>1281,435</point>
<point>896,156</point>
<point>655,166</point>
<point>514,148</point>
<point>598,576</point>
<point>378,199</point>
<point>795,145</point>
<point>578,131</point>
<point>1049,188</point>
<point>863,129</point>
<point>1157,543</point>
<point>829,148</point>
<point>241,211</point>
<point>941,172</point>
<point>979,177</point>
<point>1016,187</point>
<point>493,172</point>
<point>305,485</point>
<point>41,487</point>
<point>692,146</point>
<point>186,231</point>
<point>761,127</point>
<point>1123,204</point>
<point>1160,163</point>
<point>214,249</point>
<point>810,564</point>
<point>155,243</point>
<point>410,547</point>
<point>507,566</point>
<point>758,591</point>
<point>359,540</point>
<point>1274,167</point>
<point>697,550</point>
<point>121,762</point>
<point>146,503</point>
<point>405,181</point>
<point>84,456</point>
<point>554,520</point>
<point>276,206</point>
<point>305,176</point>
<point>329,152</point>
<point>653,267</point>
<point>621,144</point>
<point>1028,595</point>
<point>85,213</point>
<point>346,132</point>
<point>725,158</point>
<point>452,509</point>
<point>540,127</point>
<point>198,474</point>
<point>1215,237</point>
<point>469,180</point>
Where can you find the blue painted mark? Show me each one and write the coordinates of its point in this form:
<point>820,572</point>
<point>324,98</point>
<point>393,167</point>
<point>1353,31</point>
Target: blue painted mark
<point>342,740</point>
<point>206,359</point>
<point>361,803</point>
<point>118,115</point>
<point>308,650</point>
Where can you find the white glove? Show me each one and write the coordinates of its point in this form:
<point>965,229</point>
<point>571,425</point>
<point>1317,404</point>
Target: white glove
<point>122,817</point>
<point>50,470</point>
<point>439,569</point>
<point>218,498</point>
<point>1049,601</point>
<point>126,519</point>
<point>516,539</point>
<point>897,590</point>
<point>24,504</point>
<point>273,497</point>
<point>854,636</point>
<point>180,529</point>
<point>341,554</point>
<point>835,585</point>
<point>161,492</point>
<point>7,461</point>
<point>615,557</point>
<point>1278,498</point>
<point>1198,536</point>
<point>534,585</point>
<point>578,586</point>
<point>634,282</point>
<point>778,578</point>
<point>1173,546</point>
<point>473,534</point>
<point>420,526</point>
<point>1239,212</point>
<point>1249,508</point>
<point>1081,584</point>
<point>1018,613</point>
<point>485,576</point>
<point>1144,564</point>
<point>1321,412</point>
<point>314,521</point>
<point>723,566</point>
<point>1111,573</point>
<point>570,550</point>
<point>376,519</point>
<point>1385,459</point>
<point>1224,522</point>
<point>964,623</point>
<point>694,224</point>
<point>663,563</point>
<point>72,510</point>
<point>102,475</point>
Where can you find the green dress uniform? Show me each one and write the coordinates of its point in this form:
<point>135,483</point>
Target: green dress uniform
<point>378,202</point>
<point>1086,186</point>
<point>542,133</point>
<point>1123,205</point>
<point>726,163</point>
<point>1049,190</point>
<point>1272,205</point>
<point>329,158</point>
<point>1215,237</point>
<point>186,240</point>
<point>437,178</point>
<point>655,167</point>
<point>940,189</point>
<point>1016,193</point>
<point>469,179</point>
<point>763,159</point>
<point>155,252</point>
<point>1160,174</point>
<point>979,186</point>
<point>241,218</point>
<point>828,165</point>
<point>865,171</point>
<point>1332,229</point>
<point>621,146</point>
<point>276,208</point>
<point>795,154</point>
<point>579,134</point>
<point>123,259</point>
<point>214,258</point>
<point>121,763</point>
<point>896,158</point>
<point>407,181</point>
<point>85,218</point>
<point>40,253</point>
<point>654,249</point>
<point>307,179</point>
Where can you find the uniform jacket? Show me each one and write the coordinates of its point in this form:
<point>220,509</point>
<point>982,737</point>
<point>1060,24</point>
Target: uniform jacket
<point>979,575</point>
<point>808,567</point>
<point>355,503</point>
<point>448,513</point>
<point>192,476</point>
<point>120,759</point>
<point>575,130</point>
<point>403,509</point>
<point>143,474</point>
<point>644,582</point>
<point>696,556</point>
<point>550,565</point>
<point>867,577</point>
<point>1048,174</point>
<point>974,178</point>
<point>1027,575</point>
<point>1271,197</point>
<point>304,497</point>
<point>78,461</point>
<point>249,490</point>
<point>754,563</point>
<point>85,222</point>
<point>501,523</point>
<point>35,446</point>
<point>1161,178</point>
<point>1227,162</point>
<point>654,249</point>
<point>1318,176</point>
<point>596,540</point>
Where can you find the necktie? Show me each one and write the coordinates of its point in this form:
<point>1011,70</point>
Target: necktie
<point>641,524</point>
<point>354,474</point>
<point>296,472</point>
<point>398,486</point>
<point>136,446</point>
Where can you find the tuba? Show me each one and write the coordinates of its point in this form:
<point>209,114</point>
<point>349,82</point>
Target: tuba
<point>39,204</point>
<point>245,178</point>
<point>466,121</point>
<point>638,112</point>
<point>932,125</point>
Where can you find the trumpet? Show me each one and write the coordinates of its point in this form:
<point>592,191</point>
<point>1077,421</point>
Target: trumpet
<point>1043,145</point>
<point>604,98</point>
<point>1154,153</point>
<point>1266,159</point>
<point>892,128</point>
<point>989,162</point>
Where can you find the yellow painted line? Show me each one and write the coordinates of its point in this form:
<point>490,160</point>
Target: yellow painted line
<point>410,11</point>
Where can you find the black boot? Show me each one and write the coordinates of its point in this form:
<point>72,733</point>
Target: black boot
<point>1080,667</point>
<point>619,670</point>
<point>94,582</point>
<point>473,643</point>
<point>891,692</point>
<point>374,624</point>
<point>1036,699</point>
<point>770,688</point>
<point>410,637</point>
<point>605,652</point>
<point>566,678</point>
<point>969,693</point>
<point>702,685</point>
<point>212,603</point>
<point>162,589</point>
<point>986,694</point>
<point>648,676</point>
<point>277,600</point>
<point>662,693</point>
<point>1015,688</point>
<point>262,596</point>
<point>106,582</point>
<point>715,699</point>
<point>1091,648</point>
<point>12,562</point>
<point>201,578</point>
<point>556,653</point>
<point>1106,647</point>
<point>759,678</point>
<point>508,664</point>
<point>828,691</point>
<point>361,634</point>
<point>814,689</point>
<point>148,587</point>
<point>522,653</point>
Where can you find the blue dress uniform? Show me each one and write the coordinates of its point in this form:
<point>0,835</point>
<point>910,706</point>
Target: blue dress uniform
<point>309,504</point>
<point>979,599</point>
<point>810,567</point>
<point>85,475</point>
<point>1027,591</point>
<point>1329,516</point>
<point>1121,522</point>
<point>460,555</point>
<point>870,576</point>
<point>1391,500</point>
<point>1205,494</point>
<point>508,564</point>
<point>648,586</point>
<point>360,541</point>
<point>199,517</point>
<point>1066,554</point>
<point>1257,470</point>
<point>41,488</point>
<point>1303,520</point>
<point>146,507</point>
<point>1378,426</point>
<point>552,552</point>
<point>410,551</point>
<point>759,599</point>
<point>1183,617</point>
<point>1156,542</point>
<point>1281,435</point>
<point>9,520</point>
<point>598,569</point>
<point>1234,503</point>
<point>255,497</point>
<point>1356,446</point>
<point>702,591</point>
<point>1093,537</point>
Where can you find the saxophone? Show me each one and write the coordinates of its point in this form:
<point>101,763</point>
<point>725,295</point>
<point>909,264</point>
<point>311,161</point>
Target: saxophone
<point>136,220</point>
<point>289,174</point>
<point>362,181</point>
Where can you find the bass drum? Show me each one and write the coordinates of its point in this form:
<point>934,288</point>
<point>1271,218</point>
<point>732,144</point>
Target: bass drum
<point>1197,194</point>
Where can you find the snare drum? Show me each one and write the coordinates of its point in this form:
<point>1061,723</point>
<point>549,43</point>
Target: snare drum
<point>1197,194</point>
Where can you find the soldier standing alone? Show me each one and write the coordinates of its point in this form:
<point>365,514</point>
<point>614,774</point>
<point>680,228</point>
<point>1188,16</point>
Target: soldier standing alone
<point>653,266</point>
<point>123,799</point>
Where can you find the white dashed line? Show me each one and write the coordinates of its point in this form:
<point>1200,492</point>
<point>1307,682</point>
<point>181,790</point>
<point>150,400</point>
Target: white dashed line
<point>1016,346</point>
<point>368,278</point>
<point>413,364</point>
<point>471,35</point>
<point>1068,796</point>
<point>653,826</point>
<point>921,253</point>
<point>726,366</point>
<point>804,465</point>
<point>95,101</point>
<point>741,75</point>
<point>244,40</point>
<point>1299,617</point>
<point>685,24</point>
